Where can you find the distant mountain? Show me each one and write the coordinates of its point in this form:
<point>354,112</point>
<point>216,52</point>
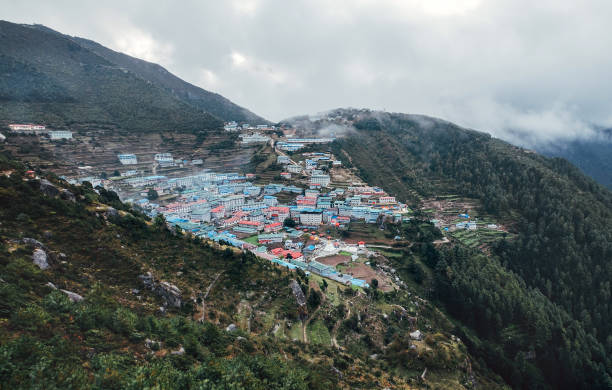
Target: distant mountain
<point>592,156</point>
<point>210,102</point>
<point>62,81</point>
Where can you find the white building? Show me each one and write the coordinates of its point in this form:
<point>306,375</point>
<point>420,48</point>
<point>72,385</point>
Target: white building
<point>294,168</point>
<point>164,157</point>
<point>60,134</point>
<point>129,173</point>
<point>387,200</point>
<point>127,159</point>
<point>231,126</point>
<point>233,202</point>
<point>26,127</point>
<point>311,219</point>
<point>254,138</point>
<point>322,180</point>
<point>201,214</point>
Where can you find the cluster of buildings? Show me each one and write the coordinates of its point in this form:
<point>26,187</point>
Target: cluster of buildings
<point>295,144</point>
<point>317,178</point>
<point>164,160</point>
<point>29,128</point>
<point>234,126</point>
<point>230,208</point>
<point>254,138</point>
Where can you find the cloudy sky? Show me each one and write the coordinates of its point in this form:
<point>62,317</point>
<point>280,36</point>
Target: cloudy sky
<point>523,70</point>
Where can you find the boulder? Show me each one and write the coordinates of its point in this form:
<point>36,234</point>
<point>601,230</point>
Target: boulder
<point>39,258</point>
<point>67,195</point>
<point>111,212</point>
<point>147,280</point>
<point>416,335</point>
<point>231,328</point>
<point>48,188</point>
<point>180,351</point>
<point>151,343</point>
<point>169,293</point>
<point>74,297</point>
<point>33,242</point>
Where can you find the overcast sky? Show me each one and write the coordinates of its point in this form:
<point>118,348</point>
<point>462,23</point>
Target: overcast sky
<point>541,69</point>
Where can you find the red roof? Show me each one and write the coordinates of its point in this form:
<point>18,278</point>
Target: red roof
<point>217,209</point>
<point>250,223</point>
<point>283,253</point>
<point>275,224</point>
<point>280,209</point>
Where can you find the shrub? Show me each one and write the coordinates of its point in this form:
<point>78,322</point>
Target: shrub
<point>124,321</point>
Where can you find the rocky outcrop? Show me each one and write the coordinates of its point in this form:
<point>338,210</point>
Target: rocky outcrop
<point>298,293</point>
<point>148,280</point>
<point>33,242</point>
<point>111,212</point>
<point>67,195</point>
<point>48,188</point>
<point>167,291</point>
<point>39,258</point>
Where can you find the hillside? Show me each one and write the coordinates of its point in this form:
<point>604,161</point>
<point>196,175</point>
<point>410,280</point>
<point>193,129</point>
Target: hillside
<point>210,102</point>
<point>136,305</point>
<point>559,266</point>
<point>49,78</point>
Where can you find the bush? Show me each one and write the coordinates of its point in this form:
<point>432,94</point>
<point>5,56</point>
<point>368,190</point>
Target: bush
<point>124,321</point>
<point>57,302</point>
<point>32,318</point>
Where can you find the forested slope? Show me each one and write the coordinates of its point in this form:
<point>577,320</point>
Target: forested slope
<point>48,78</point>
<point>563,253</point>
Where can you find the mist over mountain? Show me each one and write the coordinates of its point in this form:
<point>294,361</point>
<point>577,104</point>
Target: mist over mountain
<point>593,155</point>
<point>353,248</point>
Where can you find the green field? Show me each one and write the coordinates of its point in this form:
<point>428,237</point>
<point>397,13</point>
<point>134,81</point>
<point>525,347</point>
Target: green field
<point>475,238</point>
<point>318,333</point>
<point>251,240</point>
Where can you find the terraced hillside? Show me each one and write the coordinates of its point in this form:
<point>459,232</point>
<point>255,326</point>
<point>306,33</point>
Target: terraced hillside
<point>135,305</point>
<point>559,256</point>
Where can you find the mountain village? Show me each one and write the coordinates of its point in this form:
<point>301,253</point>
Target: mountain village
<point>299,219</point>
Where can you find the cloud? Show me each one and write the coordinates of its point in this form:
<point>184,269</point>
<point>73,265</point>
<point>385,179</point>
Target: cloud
<point>140,44</point>
<point>525,71</point>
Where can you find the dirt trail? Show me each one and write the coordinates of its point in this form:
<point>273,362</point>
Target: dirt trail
<point>334,331</point>
<point>210,286</point>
